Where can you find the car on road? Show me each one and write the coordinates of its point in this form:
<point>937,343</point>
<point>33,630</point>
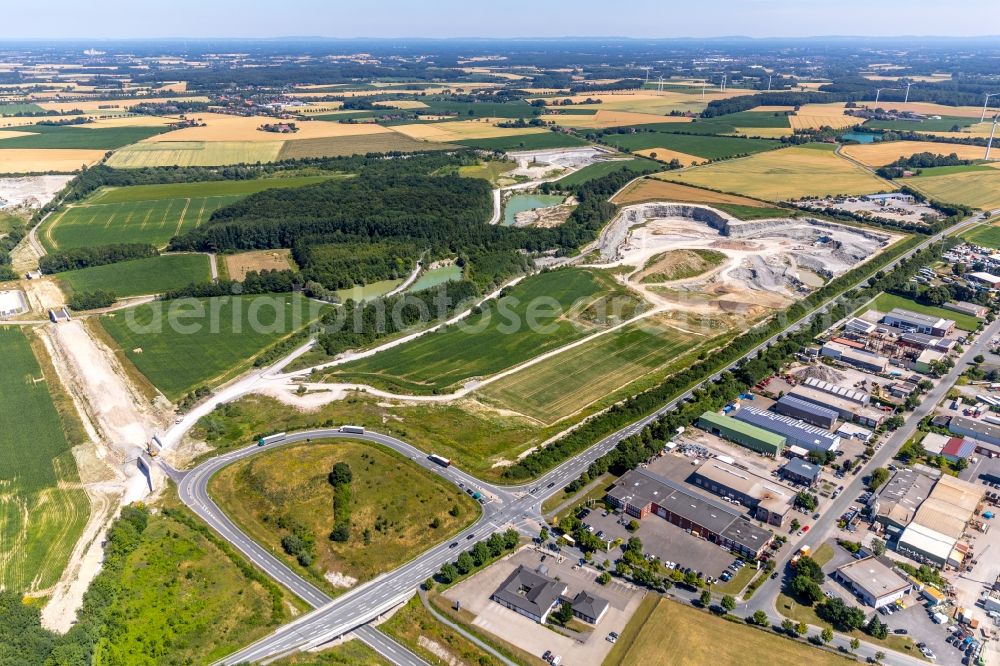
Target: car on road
<point>900,632</point>
<point>453,544</point>
<point>471,536</point>
<point>547,656</point>
<point>815,516</point>
<point>612,637</point>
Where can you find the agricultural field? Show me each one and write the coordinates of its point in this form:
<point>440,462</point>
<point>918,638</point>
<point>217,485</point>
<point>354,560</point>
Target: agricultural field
<point>180,345</point>
<point>150,213</point>
<point>570,381</point>
<point>886,302</point>
<point>881,153</point>
<point>666,155</point>
<point>987,235</point>
<point>654,189</point>
<point>195,153</point>
<point>749,123</point>
<point>42,507</point>
<point>815,116</point>
<point>200,616</point>
<point>227,128</point>
<point>76,137</point>
<point>46,160</point>
<point>489,343</point>
<point>600,169</point>
<point>356,145</point>
<point>241,263</point>
<point>945,124</point>
<point>665,632</point>
<point>441,107</point>
<point>538,141</point>
<point>605,118</point>
<point>979,188</point>
<point>396,509</point>
<point>16,109</point>
<point>152,275</point>
<point>705,146</point>
<point>458,130</point>
<point>791,173</point>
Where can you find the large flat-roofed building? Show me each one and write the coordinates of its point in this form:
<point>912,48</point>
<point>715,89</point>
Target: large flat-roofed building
<point>900,498</point>
<point>756,439</point>
<point>859,359</point>
<point>529,593</point>
<point>927,545</point>
<point>769,502</point>
<point>962,425</point>
<point>850,404</point>
<point>797,470</point>
<point>874,581</point>
<point>859,326</point>
<point>982,277</point>
<point>924,341</point>
<point>640,492</point>
<point>794,431</point>
<point>919,323</point>
<point>822,417</point>
<point>842,392</point>
<point>965,307</point>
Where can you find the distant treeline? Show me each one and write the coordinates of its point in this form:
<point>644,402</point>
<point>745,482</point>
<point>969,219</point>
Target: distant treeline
<point>919,161</point>
<point>98,255</point>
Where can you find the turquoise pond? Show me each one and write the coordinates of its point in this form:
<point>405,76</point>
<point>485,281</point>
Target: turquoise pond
<point>860,137</point>
<point>522,202</point>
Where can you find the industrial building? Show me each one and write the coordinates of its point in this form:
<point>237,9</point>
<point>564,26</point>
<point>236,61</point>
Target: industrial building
<point>988,279</point>
<point>849,394</point>
<point>529,593</point>
<point>874,581</point>
<point>965,307</point>
<point>755,439</point>
<point>856,357</point>
<point>987,432</point>
<point>926,360</point>
<point>769,502</point>
<point>859,326</point>
<point>789,405</point>
<point>852,431</point>
<point>958,448</point>
<point>850,404</point>
<point>897,502</point>
<point>640,492</point>
<point>800,471</point>
<point>924,341</point>
<point>934,443</point>
<point>794,431</point>
<point>919,323</point>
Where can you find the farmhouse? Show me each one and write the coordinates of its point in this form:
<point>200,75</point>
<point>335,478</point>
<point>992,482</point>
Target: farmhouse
<point>756,439</point>
<point>794,431</point>
<point>640,492</point>
<point>789,405</point>
<point>769,502</point>
<point>873,581</point>
<point>861,359</point>
<point>800,471</point>
<point>919,323</point>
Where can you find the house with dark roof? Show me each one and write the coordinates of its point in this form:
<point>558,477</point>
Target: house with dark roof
<point>529,593</point>
<point>589,608</point>
<point>800,471</point>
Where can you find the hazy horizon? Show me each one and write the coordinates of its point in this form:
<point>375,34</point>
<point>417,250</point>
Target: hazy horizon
<point>517,19</point>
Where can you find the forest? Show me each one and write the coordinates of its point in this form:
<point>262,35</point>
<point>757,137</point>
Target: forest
<point>98,255</point>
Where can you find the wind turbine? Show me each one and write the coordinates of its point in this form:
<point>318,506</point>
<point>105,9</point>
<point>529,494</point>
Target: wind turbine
<point>993,131</point>
<point>769,83</point>
<point>659,85</point>
<point>985,102</point>
<point>907,98</point>
<point>723,85</point>
<point>878,91</point>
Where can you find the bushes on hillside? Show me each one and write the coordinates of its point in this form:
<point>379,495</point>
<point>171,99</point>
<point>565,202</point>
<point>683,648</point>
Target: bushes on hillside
<point>100,255</point>
<point>91,300</point>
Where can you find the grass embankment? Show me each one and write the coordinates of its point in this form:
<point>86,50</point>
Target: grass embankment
<point>396,509</point>
<point>42,508</point>
<point>187,597</point>
<point>987,235</point>
<point>793,610</point>
<point>414,626</point>
<point>886,302</point>
<point>351,653</point>
<point>666,632</point>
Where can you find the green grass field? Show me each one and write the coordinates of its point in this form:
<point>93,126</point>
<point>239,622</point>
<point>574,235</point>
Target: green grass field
<point>636,166</point>
<point>184,599</point>
<point>526,142</point>
<point>413,625</point>
<point>564,384</point>
<point>665,632</point>
<point>69,136</point>
<point>195,153</point>
<point>974,186</point>
<point>361,144</point>
<point>886,302</point>
<point>392,505</point>
<point>987,235</point>
<point>944,125</point>
<point>14,109</point>
<point>515,109</point>
<point>39,522</point>
<point>179,345</point>
<point>489,343</point>
<point>153,275</point>
<point>150,213</point>
<point>706,146</point>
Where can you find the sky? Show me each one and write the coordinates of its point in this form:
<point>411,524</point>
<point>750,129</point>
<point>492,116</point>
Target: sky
<point>114,19</point>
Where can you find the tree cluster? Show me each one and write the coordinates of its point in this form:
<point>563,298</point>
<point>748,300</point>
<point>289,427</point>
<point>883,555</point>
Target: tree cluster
<point>97,255</point>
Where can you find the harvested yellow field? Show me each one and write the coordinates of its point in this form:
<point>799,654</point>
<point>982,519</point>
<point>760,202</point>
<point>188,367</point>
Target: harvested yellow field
<point>175,87</point>
<point>929,109</point>
<point>651,189</point>
<point>980,189</point>
<point>814,116</point>
<point>666,155</point>
<point>609,118</point>
<point>977,129</point>
<point>933,78</point>
<point>195,153</point>
<point>462,130</point>
<point>773,108</point>
<point>764,132</point>
<point>128,121</point>
<point>881,153</point>
<point>221,127</point>
<point>49,160</point>
<point>501,75</point>
<point>21,121</point>
<point>402,104</point>
<point>238,265</point>
<point>111,104</point>
<point>786,174</point>
<point>11,134</point>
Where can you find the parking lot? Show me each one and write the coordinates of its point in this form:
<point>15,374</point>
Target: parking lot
<point>583,649</point>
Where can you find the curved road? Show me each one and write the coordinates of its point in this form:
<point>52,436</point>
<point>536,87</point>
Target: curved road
<point>519,506</point>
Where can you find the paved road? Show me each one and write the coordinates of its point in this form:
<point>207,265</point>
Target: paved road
<point>387,647</point>
<point>519,506</point>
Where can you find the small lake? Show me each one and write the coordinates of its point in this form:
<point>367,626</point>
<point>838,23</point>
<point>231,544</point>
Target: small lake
<point>368,291</point>
<point>436,276</point>
<point>860,137</point>
<point>522,202</point>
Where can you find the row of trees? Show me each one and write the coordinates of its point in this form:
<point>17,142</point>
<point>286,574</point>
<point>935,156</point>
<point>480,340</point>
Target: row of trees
<point>484,552</point>
<point>97,255</point>
<point>917,161</point>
